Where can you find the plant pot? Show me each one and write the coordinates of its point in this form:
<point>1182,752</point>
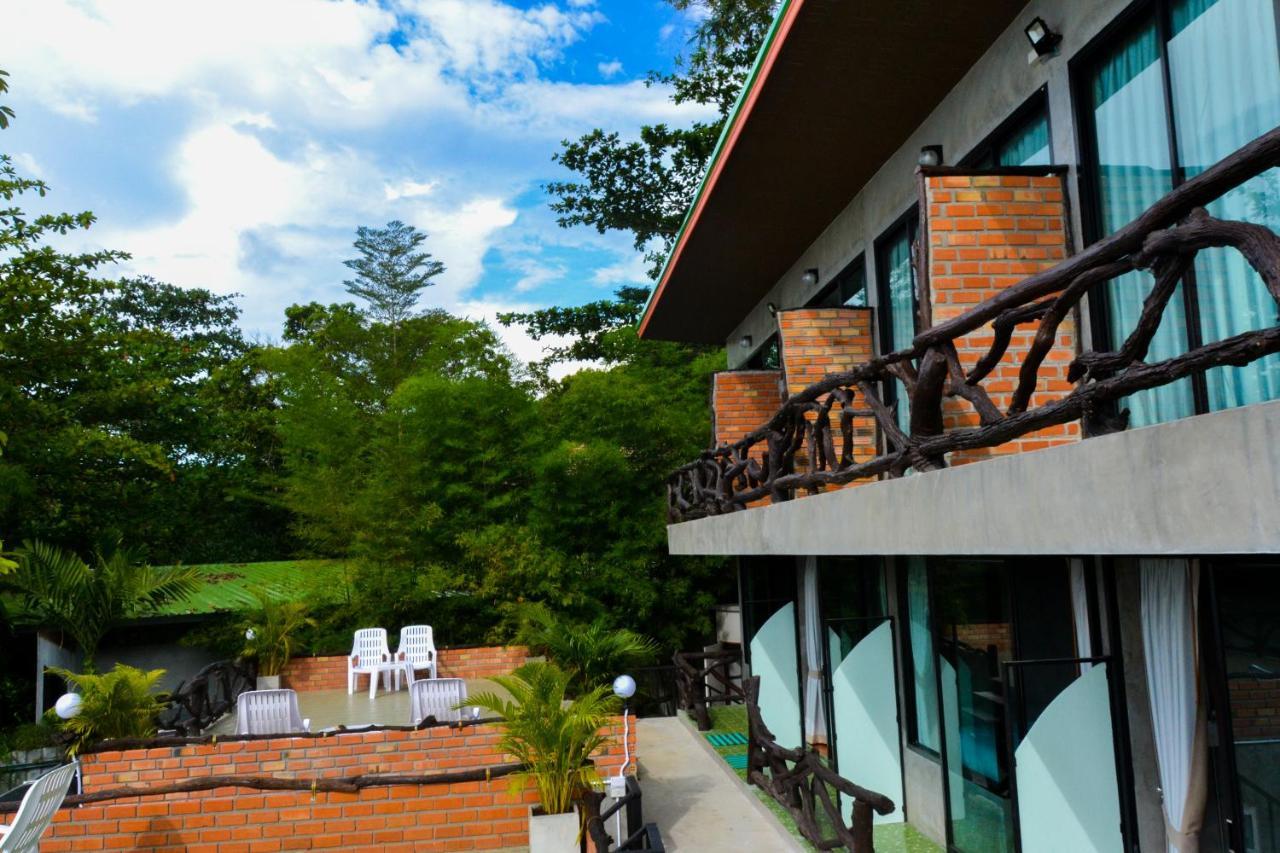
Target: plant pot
<point>268,682</point>
<point>553,833</point>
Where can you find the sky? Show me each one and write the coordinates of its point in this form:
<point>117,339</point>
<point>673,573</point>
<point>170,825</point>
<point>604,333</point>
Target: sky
<point>236,145</point>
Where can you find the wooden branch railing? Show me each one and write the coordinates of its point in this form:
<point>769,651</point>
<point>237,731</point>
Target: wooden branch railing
<point>799,781</point>
<point>200,702</point>
<point>1165,240</point>
<point>644,836</point>
<point>706,678</point>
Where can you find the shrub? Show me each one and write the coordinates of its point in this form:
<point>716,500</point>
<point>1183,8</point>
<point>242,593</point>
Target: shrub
<point>118,704</point>
<point>553,737</point>
<point>592,655</point>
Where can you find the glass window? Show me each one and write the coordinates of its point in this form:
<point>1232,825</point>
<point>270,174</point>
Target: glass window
<point>847,290</point>
<point>1216,63</point>
<point>768,357</point>
<point>769,588</point>
<point>1021,141</point>
<point>923,728</point>
<point>897,301</point>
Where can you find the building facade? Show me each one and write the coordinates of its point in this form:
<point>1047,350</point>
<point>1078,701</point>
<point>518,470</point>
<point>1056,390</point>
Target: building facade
<point>998,451</point>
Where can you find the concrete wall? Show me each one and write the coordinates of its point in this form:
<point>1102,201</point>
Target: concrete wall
<point>1209,484</point>
<point>1000,82</point>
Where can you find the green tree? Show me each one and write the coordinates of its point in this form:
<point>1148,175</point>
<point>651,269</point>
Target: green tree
<point>391,273</point>
<point>644,185</point>
<point>57,589</point>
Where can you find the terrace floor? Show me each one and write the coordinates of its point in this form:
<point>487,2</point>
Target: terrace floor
<point>331,708</point>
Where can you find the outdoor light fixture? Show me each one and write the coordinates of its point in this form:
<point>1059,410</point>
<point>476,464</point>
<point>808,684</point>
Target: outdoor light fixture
<point>68,705</point>
<point>810,277</point>
<point>249,634</point>
<point>745,342</point>
<point>1044,41</point>
<point>930,155</point>
<point>624,687</point>
<point>773,309</point>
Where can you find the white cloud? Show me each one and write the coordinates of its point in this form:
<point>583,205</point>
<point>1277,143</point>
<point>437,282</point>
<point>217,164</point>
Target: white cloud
<point>609,70</point>
<point>633,269</point>
<point>516,338</point>
<point>409,189</point>
<point>27,165</point>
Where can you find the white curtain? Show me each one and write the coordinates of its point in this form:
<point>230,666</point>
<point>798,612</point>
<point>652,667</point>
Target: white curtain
<point>1080,611</point>
<point>1169,638</point>
<point>815,727</point>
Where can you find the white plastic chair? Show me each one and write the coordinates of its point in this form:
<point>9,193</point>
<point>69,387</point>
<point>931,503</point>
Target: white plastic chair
<point>269,712</point>
<point>36,811</point>
<point>417,651</point>
<point>436,697</point>
<point>369,656</point>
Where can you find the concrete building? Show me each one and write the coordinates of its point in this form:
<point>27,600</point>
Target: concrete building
<point>1067,638</point>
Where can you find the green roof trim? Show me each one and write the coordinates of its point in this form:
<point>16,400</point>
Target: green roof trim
<point>718,152</point>
<point>227,586</point>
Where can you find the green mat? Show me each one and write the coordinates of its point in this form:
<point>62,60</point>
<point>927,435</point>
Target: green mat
<point>737,762</point>
<point>727,738</point>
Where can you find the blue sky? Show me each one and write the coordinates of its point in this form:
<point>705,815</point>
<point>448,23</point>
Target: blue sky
<point>237,145</point>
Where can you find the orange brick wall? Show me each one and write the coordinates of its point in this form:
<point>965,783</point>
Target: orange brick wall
<point>985,233</point>
<point>435,749</point>
<point>819,341</point>
<point>436,817</point>
<point>329,672</point>
<point>742,401</point>
<point>1255,708</point>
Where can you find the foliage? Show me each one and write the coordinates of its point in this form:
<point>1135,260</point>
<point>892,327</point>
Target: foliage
<point>59,590</point>
<point>645,185</point>
<point>391,273</point>
<point>272,631</point>
<point>592,655</point>
<point>117,704</point>
<point>30,736</point>
<point>552,736</point>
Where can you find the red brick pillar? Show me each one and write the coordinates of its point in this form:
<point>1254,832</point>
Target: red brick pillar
<point>819,341</point>
<point>742,401</point>
<point>986,232</point>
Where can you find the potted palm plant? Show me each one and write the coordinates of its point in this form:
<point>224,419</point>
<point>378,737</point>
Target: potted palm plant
<point>270,634</point>
<point>554,738</point>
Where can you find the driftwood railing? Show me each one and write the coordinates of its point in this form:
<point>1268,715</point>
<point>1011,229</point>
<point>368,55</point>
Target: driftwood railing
<point>644,836</point>
<point>1165,240</point>
<point>706,678</point>
<point>799,782</point>
<point>200,702</point>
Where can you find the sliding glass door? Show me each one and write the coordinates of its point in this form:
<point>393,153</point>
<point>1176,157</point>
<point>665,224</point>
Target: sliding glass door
<point>1182,85</point>
<point>769,589</point>
<point>860,680</point>
<point>898,301</point>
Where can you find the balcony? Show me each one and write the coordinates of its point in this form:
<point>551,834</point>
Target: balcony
<point>997,369</point>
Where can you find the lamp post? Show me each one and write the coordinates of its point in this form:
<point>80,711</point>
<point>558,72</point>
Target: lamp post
<point>624,687</point>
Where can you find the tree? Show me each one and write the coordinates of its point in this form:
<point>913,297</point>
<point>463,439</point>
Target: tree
<point>59,590</point>
<point>391,273</point>
<point>645,185</point>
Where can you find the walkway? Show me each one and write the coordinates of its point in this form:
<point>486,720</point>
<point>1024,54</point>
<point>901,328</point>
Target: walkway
<point>695,799</point>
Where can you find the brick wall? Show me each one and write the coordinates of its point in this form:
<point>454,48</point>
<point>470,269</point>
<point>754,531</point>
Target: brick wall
<point>434,749</point>
<point>329,672</point>
<point>983,635</point>
<point>819,341</point>
<point>985,233</point>
<point>743,401</point>
<point>1255,708</point>
<point>480,815</point>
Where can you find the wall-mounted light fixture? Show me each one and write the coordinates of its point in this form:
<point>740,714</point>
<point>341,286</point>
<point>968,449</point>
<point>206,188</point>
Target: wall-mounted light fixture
<point>930,155</point>
<point>773,309</point>
<point>1044,41</point>
<point>745,342</point>
<point>810,277</point>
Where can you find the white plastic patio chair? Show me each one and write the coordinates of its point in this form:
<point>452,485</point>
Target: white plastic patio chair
<point>369,656</point>
<point>436,697</point>
<point>417,651</point>
<point>269,712</point>
<point>36,811</point>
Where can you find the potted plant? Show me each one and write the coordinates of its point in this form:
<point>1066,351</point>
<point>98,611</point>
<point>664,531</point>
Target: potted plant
<point>554,738</point>
<point>270,634</point>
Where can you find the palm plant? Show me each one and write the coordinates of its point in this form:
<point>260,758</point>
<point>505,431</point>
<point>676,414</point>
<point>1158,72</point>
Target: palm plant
<point>552,737</point>
<point>593,655</point>
<point>120,703</point>
<point>272,631</point>
<point>59,590</point>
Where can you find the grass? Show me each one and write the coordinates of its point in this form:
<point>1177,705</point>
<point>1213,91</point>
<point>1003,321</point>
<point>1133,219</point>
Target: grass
<point>889,838</point>
<point>227,585</point>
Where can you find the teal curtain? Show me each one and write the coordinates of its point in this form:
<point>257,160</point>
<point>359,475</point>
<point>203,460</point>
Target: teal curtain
<point>923,663</point>
<point>1028,145</point>
<point>1225,73</point>
<point>902,307</point>
<point>1134,171</point>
